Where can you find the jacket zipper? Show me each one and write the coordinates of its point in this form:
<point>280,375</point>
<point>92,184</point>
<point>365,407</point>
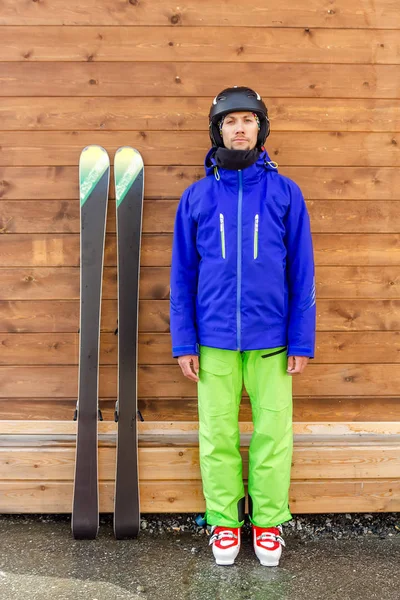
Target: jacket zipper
<point>239,258</point>
<point>256,236</point>
<point>222,230</point>
<point>274,353</point>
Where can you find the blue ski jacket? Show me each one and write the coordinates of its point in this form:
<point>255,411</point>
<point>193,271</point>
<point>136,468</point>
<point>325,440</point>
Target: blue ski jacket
<point>242,272</point>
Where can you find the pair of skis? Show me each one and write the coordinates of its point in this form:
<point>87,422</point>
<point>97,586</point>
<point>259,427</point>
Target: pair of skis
<point>94,180</point>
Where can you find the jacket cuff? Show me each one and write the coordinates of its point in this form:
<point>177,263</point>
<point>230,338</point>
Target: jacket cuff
<point>184,350</point>
<point>297,351</point>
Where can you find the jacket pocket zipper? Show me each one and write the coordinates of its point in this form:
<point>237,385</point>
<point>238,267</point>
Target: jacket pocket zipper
<point>256,218</point>
<point>274,353</point>
<point>222,230</point>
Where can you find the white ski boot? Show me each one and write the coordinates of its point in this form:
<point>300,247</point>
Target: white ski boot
<point>268,542</point>
<point>225,543</point>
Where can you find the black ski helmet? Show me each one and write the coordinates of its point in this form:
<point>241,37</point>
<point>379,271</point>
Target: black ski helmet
<point>237,99</point>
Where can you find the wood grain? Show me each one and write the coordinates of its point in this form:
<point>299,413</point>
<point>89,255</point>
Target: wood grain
<point>327,216</point>
<point>62,250</point>
<point>54,283</point>
<point>62,433</point>
<point>168,381</point>
<point>180,79</point>
<point>310,461</point>
<point>158,148</point>
<point>52,315</point>
<point>186,496</point>
<point>321,183</point>
<point>263,13</point>
<point>330,409</point>
<point>194,44</point>
<point>155,348</point>
<point>21,316</point>
<point>74,114</point>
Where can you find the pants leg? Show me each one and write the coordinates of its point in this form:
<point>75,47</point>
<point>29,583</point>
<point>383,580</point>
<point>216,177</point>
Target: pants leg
<point>271,446</point>
<point>219,394</point>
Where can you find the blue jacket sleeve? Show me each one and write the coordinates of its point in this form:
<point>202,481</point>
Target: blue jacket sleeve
<point>183,283</point>
<point>301,278</point>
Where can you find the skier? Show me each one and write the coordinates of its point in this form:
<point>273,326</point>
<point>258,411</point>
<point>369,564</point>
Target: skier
<point>242,304</point>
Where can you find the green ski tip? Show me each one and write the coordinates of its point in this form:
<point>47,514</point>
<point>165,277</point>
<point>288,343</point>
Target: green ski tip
<point>128,163</point>
<point>93,163</point>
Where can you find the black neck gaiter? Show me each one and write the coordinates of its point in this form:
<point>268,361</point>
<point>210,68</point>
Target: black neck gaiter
<point>236,159</point>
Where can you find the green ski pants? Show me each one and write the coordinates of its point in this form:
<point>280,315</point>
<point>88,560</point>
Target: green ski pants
<point>269,386</point>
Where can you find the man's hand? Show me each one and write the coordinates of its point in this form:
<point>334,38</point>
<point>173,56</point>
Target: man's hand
<point>190,366</point>
<point>296,364</point>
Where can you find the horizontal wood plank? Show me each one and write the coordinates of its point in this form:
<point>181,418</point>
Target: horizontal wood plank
<point>353,216</point>
<point>64,316</point>
<point>331,410</point>
<point>97,114</point>
<point>168,381</point>
<point>180,79</point>
<point>335,496</point>
<point>52,250</point>
<point>321,183</point>
<point>304,432</point>
<point>53,283</point>
<point>54,183</point>
<point>335,148</point>
<point>354,249</point>
<point>327,216</point>
<point>22,316</point>
<point>265,13</point>
<point>186,496</point>
<point>194,44</point>
<point>310,461</point>
<point>63,348</point>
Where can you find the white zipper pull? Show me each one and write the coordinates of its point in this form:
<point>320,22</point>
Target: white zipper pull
<point>222,230</point>
<point>256,218</point>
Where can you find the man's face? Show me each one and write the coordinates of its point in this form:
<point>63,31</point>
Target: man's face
<point>239,131</point>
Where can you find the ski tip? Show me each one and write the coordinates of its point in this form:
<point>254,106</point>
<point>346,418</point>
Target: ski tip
<point>94,148</point>
<point>127,148</point>
<point>94,163</point>
<point>128,169</point>
<point>129,153</point>
<point>93,156</point>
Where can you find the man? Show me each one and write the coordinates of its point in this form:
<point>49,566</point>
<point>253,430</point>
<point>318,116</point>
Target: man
<point>243,301</point>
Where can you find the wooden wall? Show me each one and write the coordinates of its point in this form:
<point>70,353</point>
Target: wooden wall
<point>143,73</point>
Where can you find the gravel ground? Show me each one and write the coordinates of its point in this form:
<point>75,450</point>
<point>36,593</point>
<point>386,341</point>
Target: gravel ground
<point>302,527</point>
<point>305,527</point>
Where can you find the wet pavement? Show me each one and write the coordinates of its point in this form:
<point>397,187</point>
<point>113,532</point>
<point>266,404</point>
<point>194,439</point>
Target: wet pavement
<point>40,559</point>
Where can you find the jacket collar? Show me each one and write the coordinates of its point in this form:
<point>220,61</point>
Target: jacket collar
<point>251,174</point>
